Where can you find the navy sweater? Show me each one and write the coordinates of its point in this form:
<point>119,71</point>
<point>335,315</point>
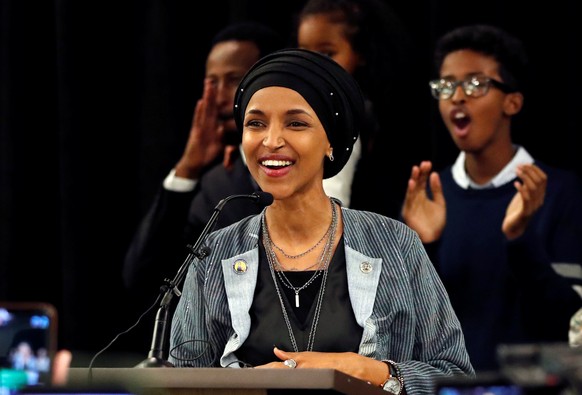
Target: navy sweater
<point>507,292</point>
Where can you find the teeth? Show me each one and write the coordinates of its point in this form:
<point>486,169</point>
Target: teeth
<point>460,115</point>
<point>276,163</point>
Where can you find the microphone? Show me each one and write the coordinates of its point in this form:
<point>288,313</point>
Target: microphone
<point>263,199</point>
<point>156,354</point>
<point>260,198</point>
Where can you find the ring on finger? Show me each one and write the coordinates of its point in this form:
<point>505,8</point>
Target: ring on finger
<point>290,363</point>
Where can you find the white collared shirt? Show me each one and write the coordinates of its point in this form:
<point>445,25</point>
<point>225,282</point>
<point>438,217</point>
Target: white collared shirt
<point>504,176</point>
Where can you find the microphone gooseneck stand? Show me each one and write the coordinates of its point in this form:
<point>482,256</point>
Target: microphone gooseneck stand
<point>155,357</point>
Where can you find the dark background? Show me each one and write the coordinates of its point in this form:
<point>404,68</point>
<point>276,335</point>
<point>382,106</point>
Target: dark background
<point>96,100</point>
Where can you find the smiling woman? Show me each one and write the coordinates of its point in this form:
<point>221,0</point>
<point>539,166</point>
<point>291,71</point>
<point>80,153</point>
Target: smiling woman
<point>333,102</point>
<point>344,299</point>
<point>104,114</point>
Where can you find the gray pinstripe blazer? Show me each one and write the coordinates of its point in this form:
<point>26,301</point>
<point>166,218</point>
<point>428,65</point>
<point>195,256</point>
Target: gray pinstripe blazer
<point>401,303</point>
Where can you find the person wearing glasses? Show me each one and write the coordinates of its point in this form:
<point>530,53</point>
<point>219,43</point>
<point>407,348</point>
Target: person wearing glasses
<point>504,230</point>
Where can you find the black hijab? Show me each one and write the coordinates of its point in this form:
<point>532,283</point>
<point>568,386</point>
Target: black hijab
<point>330,90</point>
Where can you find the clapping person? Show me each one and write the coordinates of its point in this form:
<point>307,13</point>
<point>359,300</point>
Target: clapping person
<point>209,169</point>
<point>503,228</point>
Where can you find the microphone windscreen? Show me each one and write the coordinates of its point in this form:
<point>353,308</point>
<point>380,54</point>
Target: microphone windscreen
<point>264,199</point>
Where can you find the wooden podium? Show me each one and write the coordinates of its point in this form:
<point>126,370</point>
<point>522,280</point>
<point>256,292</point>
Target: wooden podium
<point>221,381</point>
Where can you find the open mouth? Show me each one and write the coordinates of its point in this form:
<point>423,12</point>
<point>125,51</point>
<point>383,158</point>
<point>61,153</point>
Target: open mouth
<point>276,164</point>
<point>460,119</point>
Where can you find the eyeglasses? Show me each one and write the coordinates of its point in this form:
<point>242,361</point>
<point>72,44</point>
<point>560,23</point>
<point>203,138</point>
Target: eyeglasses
<point>476,86</point>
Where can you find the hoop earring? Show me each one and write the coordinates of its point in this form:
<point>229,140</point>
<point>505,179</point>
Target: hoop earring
<point>330,156</point>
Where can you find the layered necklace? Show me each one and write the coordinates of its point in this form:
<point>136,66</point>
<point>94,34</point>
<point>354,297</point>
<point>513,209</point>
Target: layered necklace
<point>308,250</point>
<point>278,271</point>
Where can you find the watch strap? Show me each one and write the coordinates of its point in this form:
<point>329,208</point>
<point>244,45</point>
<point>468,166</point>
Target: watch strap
<point>394,371</point>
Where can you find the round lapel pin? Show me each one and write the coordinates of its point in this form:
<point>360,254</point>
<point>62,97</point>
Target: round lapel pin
<point>366,267</point>
<point>240,266</point>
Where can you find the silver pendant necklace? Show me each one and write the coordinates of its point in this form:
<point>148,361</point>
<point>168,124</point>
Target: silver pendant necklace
<point>322,262</point>
<point>325,259</point>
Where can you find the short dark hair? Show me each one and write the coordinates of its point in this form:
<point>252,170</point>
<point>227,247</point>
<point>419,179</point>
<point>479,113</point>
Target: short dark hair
<point>493,41</point>
<point>266,39</point>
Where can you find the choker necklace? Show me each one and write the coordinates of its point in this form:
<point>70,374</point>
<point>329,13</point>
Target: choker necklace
<point>305,252</point>
<point>317,263</point>
<point>324,261</point>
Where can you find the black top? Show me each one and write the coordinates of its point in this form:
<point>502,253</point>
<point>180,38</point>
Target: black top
<point>337,329</point>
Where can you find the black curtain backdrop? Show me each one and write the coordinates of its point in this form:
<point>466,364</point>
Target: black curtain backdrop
<point>96,100</point>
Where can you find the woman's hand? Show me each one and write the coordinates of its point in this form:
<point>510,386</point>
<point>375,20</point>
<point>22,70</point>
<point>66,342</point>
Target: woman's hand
<point>355,365</point>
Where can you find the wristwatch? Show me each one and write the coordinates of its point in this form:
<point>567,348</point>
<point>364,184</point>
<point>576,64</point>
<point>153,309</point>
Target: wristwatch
<point>395,383</point>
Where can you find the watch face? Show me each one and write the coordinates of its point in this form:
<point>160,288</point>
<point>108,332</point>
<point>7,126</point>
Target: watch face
<point>392,385</point>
